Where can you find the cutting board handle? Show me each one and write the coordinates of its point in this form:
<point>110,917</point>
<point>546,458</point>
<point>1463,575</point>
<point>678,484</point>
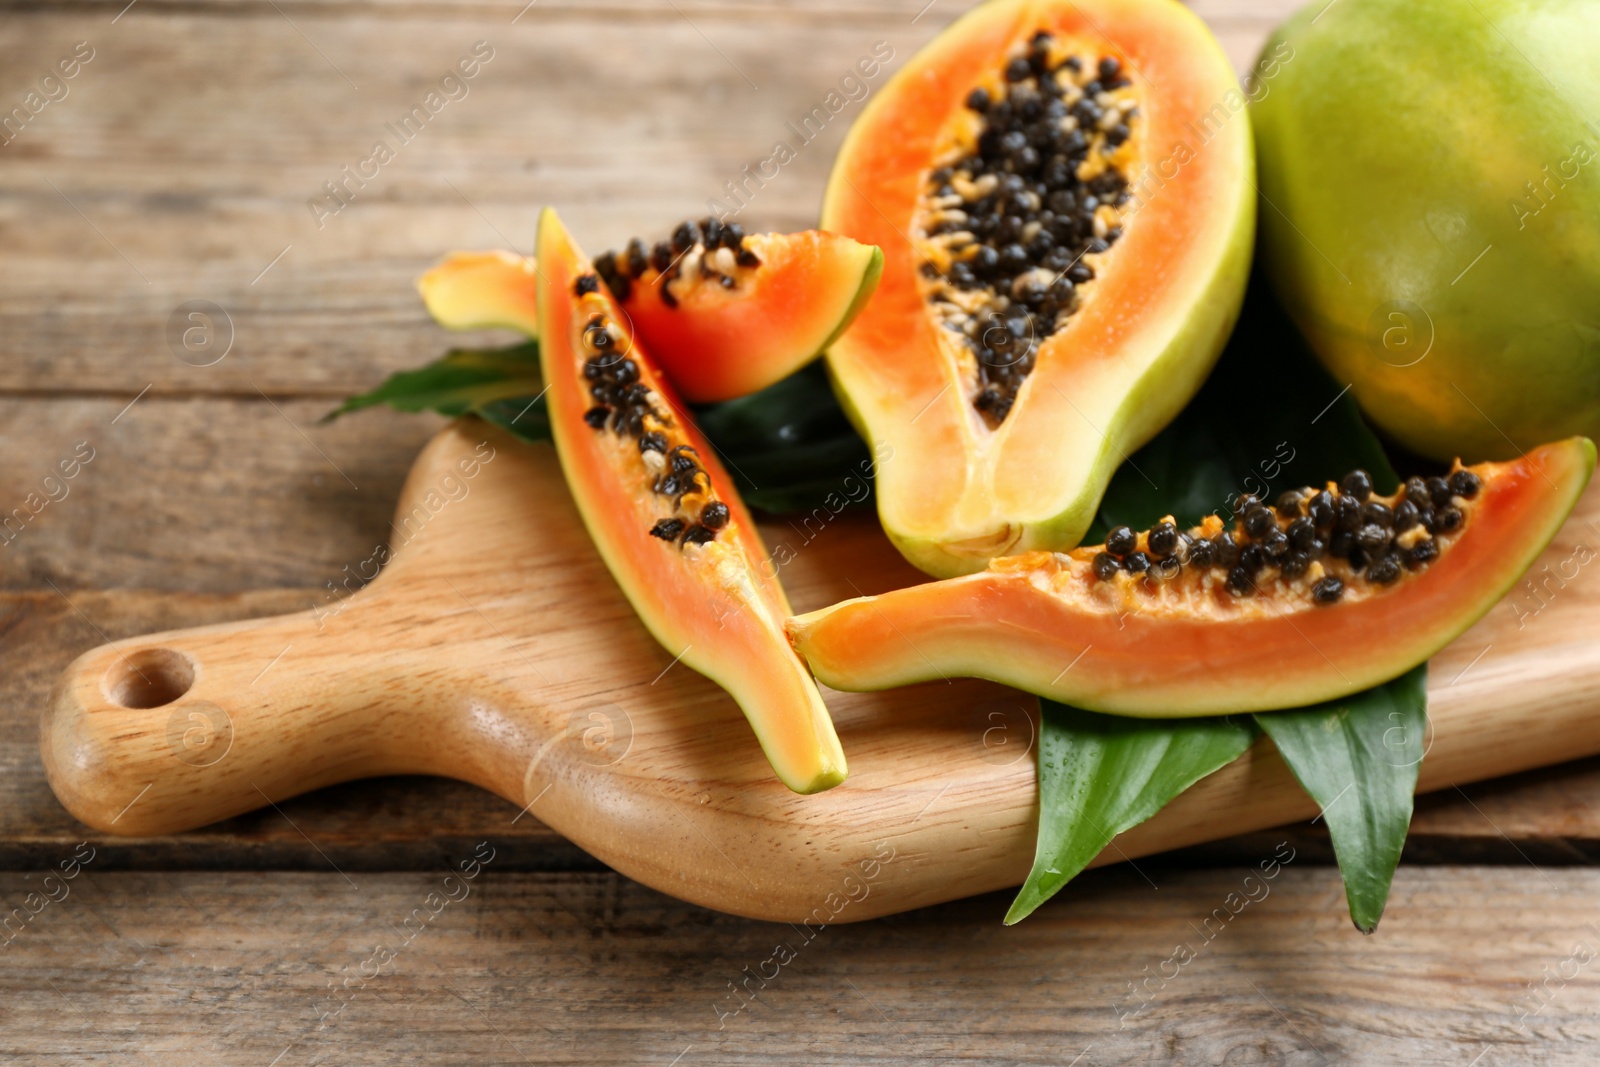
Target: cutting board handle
<point>175,730</point>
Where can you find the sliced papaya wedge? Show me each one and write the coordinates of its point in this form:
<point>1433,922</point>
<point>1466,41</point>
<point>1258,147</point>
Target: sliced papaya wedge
<point>1063,193</point>
<point>1330,592</point>
<point>724,314</point>
<point>665,518</point>
<point>482,291</point>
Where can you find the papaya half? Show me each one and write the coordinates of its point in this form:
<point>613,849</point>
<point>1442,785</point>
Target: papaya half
<point>723,313</point>
<point>1433,171</point>
<point>1063,193</point>
<point>664,515</point>
<point>1329,592</point>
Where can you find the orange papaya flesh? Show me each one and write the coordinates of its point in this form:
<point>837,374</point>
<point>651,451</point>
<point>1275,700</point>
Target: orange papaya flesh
<point>663,514</point>
<point>723,313</point>
<point>727,314</point>
<point>1063,193</point>
<point>1329,593</point>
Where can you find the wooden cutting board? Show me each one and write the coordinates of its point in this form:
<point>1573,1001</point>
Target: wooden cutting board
<point>494,647</point>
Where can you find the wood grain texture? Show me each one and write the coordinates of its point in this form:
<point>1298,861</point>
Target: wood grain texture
<point>581,969</point>
<point>201,168</point>
<point>137,193</point>
<point>191,143</point>
<point>408,823</point>
<point>536,681</point>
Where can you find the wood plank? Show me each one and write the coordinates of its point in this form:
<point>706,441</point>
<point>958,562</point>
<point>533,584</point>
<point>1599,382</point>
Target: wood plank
<point>221,496</point>
<point>592,969</point>
<point>390,823</point>
<point>1547,816</point>
<point>126,200</point>
<point>120,524</point>
<point>452,663</point>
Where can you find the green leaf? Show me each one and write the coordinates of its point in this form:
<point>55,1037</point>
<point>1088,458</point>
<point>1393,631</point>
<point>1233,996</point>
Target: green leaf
<point>1268,419</point>
<point>1102,774</point>
<point>1358,758</point>
<point>790,446</point>
<point>462,381</point>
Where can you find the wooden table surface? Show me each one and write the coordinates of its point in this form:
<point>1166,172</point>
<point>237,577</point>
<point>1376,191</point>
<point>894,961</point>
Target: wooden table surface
<point>181,165</point>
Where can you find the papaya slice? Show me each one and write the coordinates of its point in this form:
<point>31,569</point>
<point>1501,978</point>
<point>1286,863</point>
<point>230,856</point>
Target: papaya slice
<point>1330,592</point>
<point>663,513</point>
<point>1063,193</point>
<point>723,313</point>
<point>483,291</point>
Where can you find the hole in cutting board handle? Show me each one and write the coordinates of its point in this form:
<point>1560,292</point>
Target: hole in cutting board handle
<point>149,678</point>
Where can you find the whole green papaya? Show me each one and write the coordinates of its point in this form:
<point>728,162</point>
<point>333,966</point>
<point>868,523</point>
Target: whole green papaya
<point>1430,182</point>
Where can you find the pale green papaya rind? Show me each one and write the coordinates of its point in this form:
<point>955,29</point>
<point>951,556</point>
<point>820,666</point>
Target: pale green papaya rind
<point>869,284</point>
<point>999,661</point>
<point>1398,138</point>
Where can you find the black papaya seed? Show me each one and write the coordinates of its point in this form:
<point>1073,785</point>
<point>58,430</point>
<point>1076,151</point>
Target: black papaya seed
<point>1203,552</point>
<point>1447,519</point>
<point>1372,537</point>
<point>698,535</point>
<point>1137,562</point>
<point>653,442</point>
<point>1258,520</point>
<point>586,284</point>
<point>1439,493</point>
<point>636,258</point>
<point>1422,553</point>
<point>1384,570</point>
<point>1239,581</point>
<point>1106,566</point>
<point>1302,532</point>
<point>1349,515</point>
<point>685,237</point>
<point>1358,484</point>
<point>667,529</point>
<point>1465,484</point>
<point>596,416</point>
<point>1227,549</point>
<point>1377,513</point>
<point>1252,558</point>
<point>1289,502</point>
<point>1295,565</point>
<point>1121,540</point>
<point>1162,540</point>
<point>1275,545</point>
<point>1321,510</point>
<point>715,515</point>
<point>1405,516</point>
<point>1327,591</point>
